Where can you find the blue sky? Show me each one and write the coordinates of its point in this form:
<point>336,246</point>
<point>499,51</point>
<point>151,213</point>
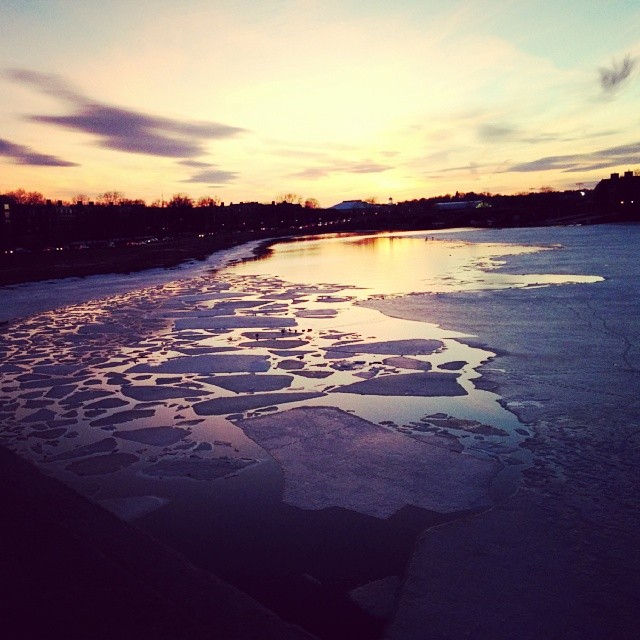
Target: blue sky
<point>333,100</point>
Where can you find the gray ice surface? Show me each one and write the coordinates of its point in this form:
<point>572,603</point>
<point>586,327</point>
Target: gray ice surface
<point>561,558</point>
<point>332,458</point>
<point>408,384</point>
<point>216,363</point>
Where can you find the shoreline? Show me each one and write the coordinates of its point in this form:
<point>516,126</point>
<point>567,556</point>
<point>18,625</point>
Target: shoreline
<point>137,255</point>
<point>122,581</point>
<point>28,297</point>
<point>31,267</point>
<point>165,254</point>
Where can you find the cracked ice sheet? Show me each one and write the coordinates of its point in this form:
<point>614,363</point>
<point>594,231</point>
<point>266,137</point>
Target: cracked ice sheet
<point>414,347</point>
<point>332,458</point>
<point>237,363</point>
<point>234,322</point>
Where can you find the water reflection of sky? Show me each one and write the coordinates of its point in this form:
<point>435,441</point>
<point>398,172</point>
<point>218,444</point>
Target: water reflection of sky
<point>401,263</point>
<point>145,325</point>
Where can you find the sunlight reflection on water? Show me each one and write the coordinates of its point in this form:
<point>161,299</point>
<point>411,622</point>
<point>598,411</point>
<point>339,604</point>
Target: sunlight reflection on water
<point>208,313</point>
<point>384,265</point>
<point>400,263</point>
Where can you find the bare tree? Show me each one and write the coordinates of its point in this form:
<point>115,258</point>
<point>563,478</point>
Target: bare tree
<point>180,200</point>
<point>371,200</point>
<point>20,196</point>
<point>80,198</point>
<point>111,197</point>
<point>208,201</point>
<point>311,203</point>
<point>289,198</point>
<point>17,195</point>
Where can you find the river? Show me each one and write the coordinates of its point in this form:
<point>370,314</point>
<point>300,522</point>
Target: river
<point>158,396</point>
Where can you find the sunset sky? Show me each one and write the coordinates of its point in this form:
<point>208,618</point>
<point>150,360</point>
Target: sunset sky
<point>247,99</point>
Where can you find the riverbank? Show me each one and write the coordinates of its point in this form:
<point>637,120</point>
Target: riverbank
<point>73,570</point>
<point>24,267</point>
<point>144,254</point>
<point>135,255</point>
<point>22,299</point>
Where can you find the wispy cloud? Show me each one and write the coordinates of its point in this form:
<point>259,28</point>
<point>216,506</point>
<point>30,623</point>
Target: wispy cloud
<point>50,84</point>
<point>212,176</point>
<point>601,159</point>
<point>196,164</point>
<point>341,167</point>
<point>546,164</point>
<point>569,136</point>
<point>612,78</point>
<point>127,130</point>
<point>471,167</point>
<point>25,155</point>
<point>495,132</point>
<point>470,171</point>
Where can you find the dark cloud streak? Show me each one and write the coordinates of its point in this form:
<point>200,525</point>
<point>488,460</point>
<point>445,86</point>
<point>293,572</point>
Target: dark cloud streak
<point>24,155</point>
<point>134,132</point>
<point>611,79</point>
<point>127,130</point>
<point>573,163</point>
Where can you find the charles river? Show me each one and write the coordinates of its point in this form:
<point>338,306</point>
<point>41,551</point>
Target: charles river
<point>526,341</point>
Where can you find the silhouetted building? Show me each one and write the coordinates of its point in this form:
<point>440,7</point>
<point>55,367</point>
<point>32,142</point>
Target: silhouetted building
<point>460,205</point>
<point>351,205</point>
<point>618,195</point>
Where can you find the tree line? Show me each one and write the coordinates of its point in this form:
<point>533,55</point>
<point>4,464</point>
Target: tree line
<point>177,200</point>
<point>30,221</point>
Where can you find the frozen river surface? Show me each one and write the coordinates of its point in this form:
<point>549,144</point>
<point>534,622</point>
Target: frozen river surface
<point>335,389</point>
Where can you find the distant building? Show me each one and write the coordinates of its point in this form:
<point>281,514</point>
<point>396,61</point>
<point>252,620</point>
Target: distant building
<point>461,205</point>
<point>353,205</point>
<point>618,195</point>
